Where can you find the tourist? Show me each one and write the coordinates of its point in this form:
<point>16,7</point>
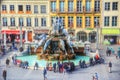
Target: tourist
<point>58,66</point>
<point>118,53</point>
<point>26,64</point>
<point>110,66</point>
<point>47,65</point>
<point>93,77</point>
<point>96,76</point>
<point>107,51</point>
<point>45,73</point>
<point>4,74</point>
<point>54,67</point>
<point>80,62</point>
<point>36,66</point>
<point>7,62</point>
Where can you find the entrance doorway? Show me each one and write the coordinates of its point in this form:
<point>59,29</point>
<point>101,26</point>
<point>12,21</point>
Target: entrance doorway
<point>111,39</point>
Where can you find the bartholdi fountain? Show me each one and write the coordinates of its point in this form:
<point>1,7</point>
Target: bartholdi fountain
<point>58,46</point>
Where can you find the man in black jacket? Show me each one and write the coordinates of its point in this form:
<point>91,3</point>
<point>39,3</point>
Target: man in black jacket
<point>110,66</point>
<point>4,74</point>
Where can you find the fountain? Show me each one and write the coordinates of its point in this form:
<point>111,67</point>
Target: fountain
<point>58,46</point>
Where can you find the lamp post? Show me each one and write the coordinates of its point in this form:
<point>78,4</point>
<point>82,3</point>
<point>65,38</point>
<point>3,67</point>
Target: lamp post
<point>97,35</point>
<point>0,33</point>
<point>21,33</point>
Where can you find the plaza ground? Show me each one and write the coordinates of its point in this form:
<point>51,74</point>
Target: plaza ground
<point>16,73</point>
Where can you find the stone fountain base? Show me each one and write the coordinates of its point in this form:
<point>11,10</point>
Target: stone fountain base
<point>52,57</point>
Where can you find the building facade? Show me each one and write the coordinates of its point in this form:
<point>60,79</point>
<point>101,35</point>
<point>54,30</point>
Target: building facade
<point>31,15</point>
<point>81,17</point>
<point>110,21</point>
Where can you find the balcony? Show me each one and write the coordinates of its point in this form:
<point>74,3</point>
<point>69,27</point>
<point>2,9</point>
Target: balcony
<point>4,12</point>
<point>97,10</point>
<point>28,12</point>
<point>12,12</point>
<point>20,12</point>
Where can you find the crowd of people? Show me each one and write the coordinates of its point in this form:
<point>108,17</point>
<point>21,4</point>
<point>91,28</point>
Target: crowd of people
<point>111,51</point>
<point>62,67</point>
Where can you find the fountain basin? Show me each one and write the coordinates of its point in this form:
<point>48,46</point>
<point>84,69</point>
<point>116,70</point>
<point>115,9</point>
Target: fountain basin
<point>42,63</point>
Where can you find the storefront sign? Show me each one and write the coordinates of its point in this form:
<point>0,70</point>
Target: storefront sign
<point>89,28</point>
<point>41,31</point>
<point>111,31</point>
<point>12,31</point>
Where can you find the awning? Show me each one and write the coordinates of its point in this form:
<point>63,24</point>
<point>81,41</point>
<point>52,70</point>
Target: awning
<point>11,31</point>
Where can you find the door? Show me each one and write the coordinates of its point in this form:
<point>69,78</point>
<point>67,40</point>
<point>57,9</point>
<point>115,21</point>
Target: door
<point>30,36</point>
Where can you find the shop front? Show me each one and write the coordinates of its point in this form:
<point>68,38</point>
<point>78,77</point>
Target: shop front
<point>111,34</point>
<point>12,35</point>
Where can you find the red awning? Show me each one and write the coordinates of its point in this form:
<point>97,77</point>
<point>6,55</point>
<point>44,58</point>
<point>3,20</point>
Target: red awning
<point>11,31</point>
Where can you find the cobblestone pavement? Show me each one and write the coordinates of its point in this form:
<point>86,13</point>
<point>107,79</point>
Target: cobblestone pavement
<point>16,73</point>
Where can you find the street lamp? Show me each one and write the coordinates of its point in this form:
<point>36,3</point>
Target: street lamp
<point>0,32</point>
<point>21,32</point>
<point>97,35</point>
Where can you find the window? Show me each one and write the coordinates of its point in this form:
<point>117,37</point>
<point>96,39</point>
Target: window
<point>20,7</point>
<point>88,4</point>
<point>28,8</point>
<point>82,36</point>
<point>62,6</point>
<point>79,6</point>
<point>12,21</point>
<point>97,6</point>
<point>28,21</point>
<point>70,21</point>
<point>20,21</point>
<point>107,6</point>
<point>43,8</point>
<point>4,21</point>
<point>36,22</point>
<point>87,21</point>
<point>35,8</point>
<point>11,7</point>
<point>79,21</point>
<point>106,21</point>
<point>53,6</point>
<point>70,6</point>
<point>115,6</point>
<point>4,8</point>
<point>52,20</point>
<point>114,21</point>
<point>43,21</point>
<point>62,21</point>
<point>96,21</point>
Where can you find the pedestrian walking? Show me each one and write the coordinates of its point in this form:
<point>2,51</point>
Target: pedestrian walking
<point>110,66</point>
<point>93,77</point>
<point>36,66</point>
<point>45,73</point>
<point>54,67</point>
<point>96,76</point>
<point>4,74</point>
<point>7,62</point>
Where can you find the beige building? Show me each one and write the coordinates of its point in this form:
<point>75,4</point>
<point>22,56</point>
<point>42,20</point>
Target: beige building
<point>32,15</point>
<point>110,21</point>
